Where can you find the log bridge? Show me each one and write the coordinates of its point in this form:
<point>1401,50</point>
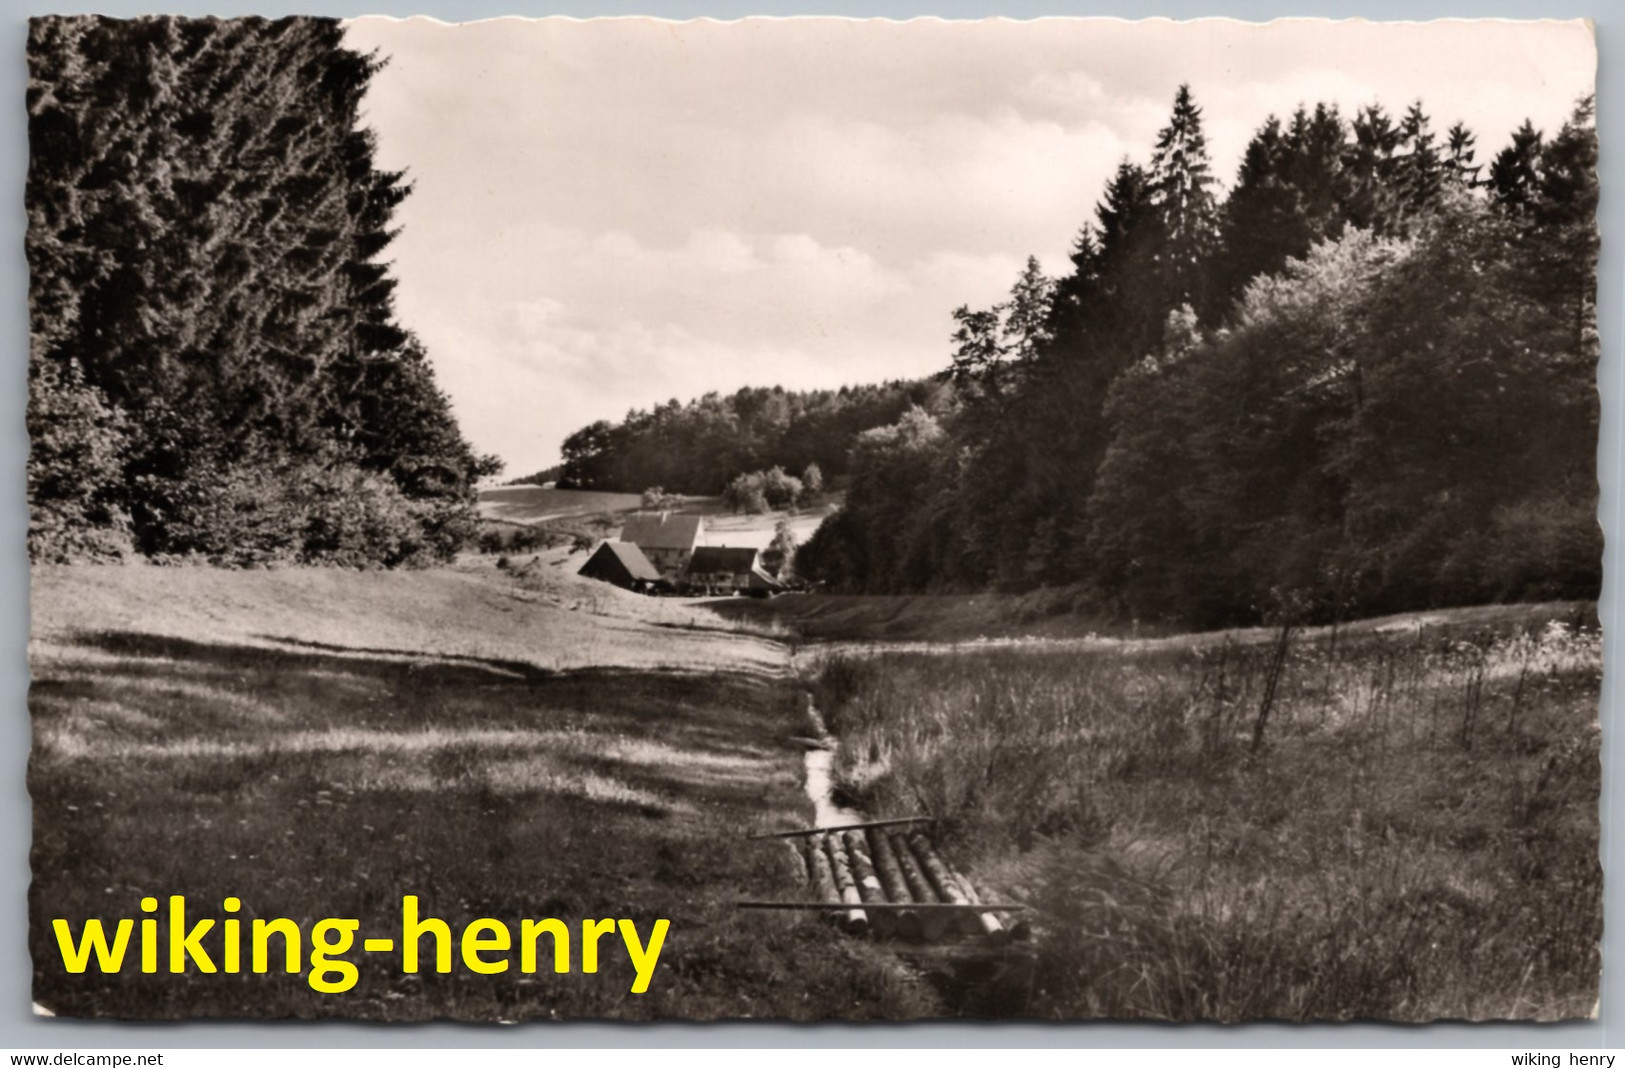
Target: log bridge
<point>885,877</point>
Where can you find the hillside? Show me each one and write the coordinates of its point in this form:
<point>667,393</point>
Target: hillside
<point>549,620</point>
<point>321,742</point>
<point>534,505</point>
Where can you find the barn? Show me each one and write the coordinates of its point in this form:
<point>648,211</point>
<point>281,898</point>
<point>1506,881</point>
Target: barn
<point>623,565</point>
<point>722,569</point>
<point>668,541</point>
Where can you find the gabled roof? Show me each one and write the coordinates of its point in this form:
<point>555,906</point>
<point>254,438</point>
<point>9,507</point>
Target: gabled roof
<point>761,580</point>
<point>630,558</point>
<point>662,530</point>
<point>712,559</point>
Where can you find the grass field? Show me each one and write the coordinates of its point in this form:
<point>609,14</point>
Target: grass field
<point>600,514</point>
<point>1413,835</point>
<point>320,743</point>
<point>534,504</point>
<point>926,618</point>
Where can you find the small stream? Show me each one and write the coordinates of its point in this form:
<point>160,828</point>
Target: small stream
<point>820,782</point>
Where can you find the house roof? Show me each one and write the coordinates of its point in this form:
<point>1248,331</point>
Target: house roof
<point>761,580</point>
<point>662,530</point>
<point>630,558</point>
<point>711,559</point>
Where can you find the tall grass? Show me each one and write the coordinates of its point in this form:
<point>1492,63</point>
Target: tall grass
<point>1415,838</point>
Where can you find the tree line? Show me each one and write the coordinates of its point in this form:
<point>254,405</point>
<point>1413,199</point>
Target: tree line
<point>216,370</point>
<point>704,445</point>
<point>1362,381</point>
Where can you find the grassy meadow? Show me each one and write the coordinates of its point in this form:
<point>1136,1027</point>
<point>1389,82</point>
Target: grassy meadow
<point>321,742</point>
<point>538,504</point>
<point>593,515</point>
<point>952,617</point>
<point>1411,834</point>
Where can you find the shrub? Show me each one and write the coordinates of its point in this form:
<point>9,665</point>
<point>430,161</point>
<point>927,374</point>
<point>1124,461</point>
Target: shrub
<point>77,443</point>
<point>259,513</point>
<point>756,492</point>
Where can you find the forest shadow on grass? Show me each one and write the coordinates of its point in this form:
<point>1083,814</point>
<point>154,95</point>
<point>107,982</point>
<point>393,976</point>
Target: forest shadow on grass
<point>313,783</point>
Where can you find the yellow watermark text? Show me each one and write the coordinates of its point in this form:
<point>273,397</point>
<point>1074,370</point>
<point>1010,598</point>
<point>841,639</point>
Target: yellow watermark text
<point>484,946</point>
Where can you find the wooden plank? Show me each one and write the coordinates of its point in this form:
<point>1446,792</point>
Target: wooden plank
<point>897,822</point>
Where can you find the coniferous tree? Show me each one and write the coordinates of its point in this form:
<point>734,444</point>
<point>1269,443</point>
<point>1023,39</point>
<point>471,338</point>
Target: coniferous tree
<point>1099,308</point>
<point>1263,224</point>
<point>1374,196</point>
<point>1460,168</point>
<point>1319,170</point>
<point>1513,174</point>
<point>1563,246</point>
<point>1566,186</point>
<point>1182,186</point>
<point>1393,407</point>
<point>204,222</point>
<point>1420,176</point>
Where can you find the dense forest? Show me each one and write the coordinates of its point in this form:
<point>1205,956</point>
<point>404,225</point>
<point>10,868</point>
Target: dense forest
<point>702,446</point>
<point>1362,381</point>
<point>216,370</point>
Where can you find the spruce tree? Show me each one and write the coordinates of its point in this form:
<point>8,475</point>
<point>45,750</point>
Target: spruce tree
<point>204,226</point>
<point>1460,168</point>
<point>1182,186</point>
<point>1374,199</point>
<point>1420,175</point>
<point>1513,173</point>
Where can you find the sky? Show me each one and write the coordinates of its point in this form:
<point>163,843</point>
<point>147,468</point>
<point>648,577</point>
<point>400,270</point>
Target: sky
<point>610,213</point>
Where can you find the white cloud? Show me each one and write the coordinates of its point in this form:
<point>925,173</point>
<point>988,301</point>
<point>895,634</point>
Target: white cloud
<point>609,213</point>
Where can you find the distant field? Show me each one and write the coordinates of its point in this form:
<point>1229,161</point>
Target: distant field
<point>535,505</point>
<point>756,531</point>
<point>321,742</point>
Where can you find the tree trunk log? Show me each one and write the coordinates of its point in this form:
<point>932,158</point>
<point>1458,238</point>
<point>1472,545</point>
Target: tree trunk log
<point>869,888</point>
<point>941,879</point>
<point>863,869</point>
<point>822,877</point>
<point>855,920</point>
<point>885,862</point>
<point>988,922</point>
<point>936,923</point>
<point>886,922</point>
<point>884,858</point>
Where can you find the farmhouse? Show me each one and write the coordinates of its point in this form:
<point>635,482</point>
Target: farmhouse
<point>721,569</point>
<point>623,565</point>
<point>667,540</point>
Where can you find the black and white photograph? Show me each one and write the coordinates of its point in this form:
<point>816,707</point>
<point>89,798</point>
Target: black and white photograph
<point>813,519</point>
